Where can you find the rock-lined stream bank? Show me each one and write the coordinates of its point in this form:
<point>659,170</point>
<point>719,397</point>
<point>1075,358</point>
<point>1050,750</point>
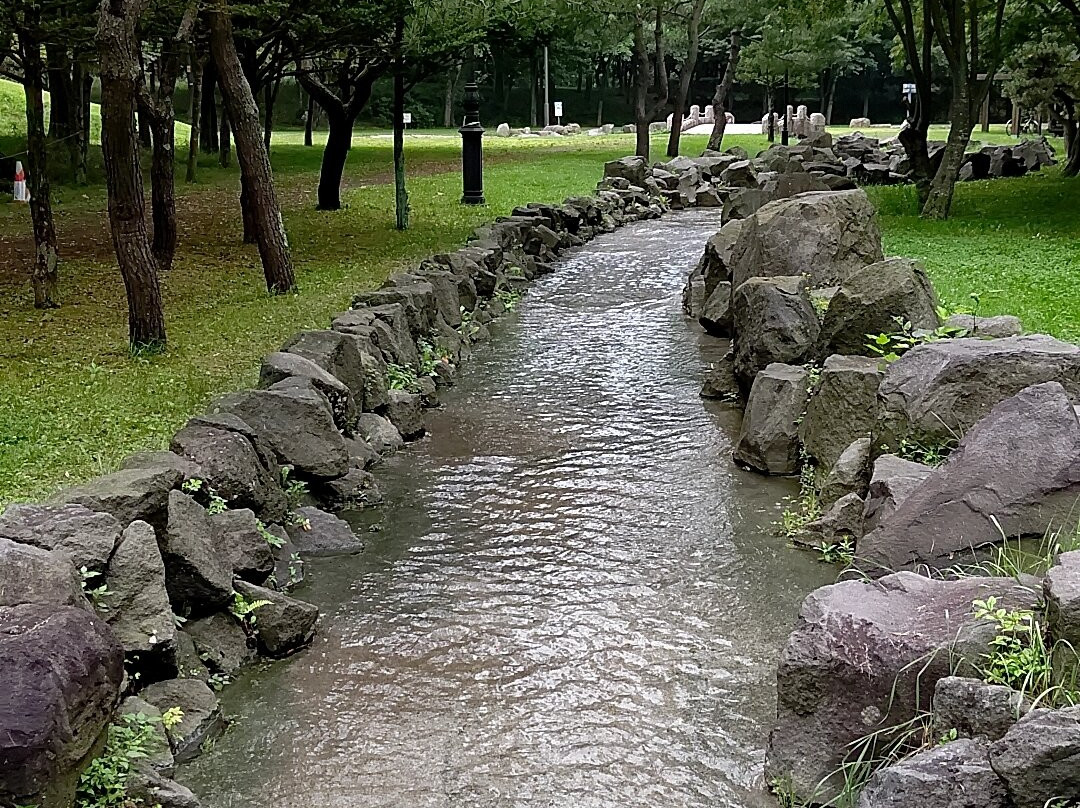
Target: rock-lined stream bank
<point>575,598</point>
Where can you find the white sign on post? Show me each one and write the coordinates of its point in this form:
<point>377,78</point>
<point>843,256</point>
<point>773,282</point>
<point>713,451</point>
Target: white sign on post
<point>406,118</point>
<point>558,109</point>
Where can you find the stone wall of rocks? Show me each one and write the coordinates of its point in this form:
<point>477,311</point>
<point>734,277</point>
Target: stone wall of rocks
<point>127,594</point>
<point>799,287</point>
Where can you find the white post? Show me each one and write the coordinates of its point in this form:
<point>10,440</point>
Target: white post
<point>547,89</point>
<point>21,193</point>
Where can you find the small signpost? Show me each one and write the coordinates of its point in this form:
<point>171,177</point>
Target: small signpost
<point>558,112</point>
<point>21,192</point>
<point>406,118</point>
<point>909,92</point>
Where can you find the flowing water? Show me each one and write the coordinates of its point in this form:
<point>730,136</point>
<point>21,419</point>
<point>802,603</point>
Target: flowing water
<point>571,598</point>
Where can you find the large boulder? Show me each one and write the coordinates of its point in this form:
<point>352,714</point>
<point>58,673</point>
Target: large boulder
<point>233,466</point>
<point>769,438</point>
<point>283,625</point>
<point>850,474</point>
<point>138,606</point>
<point>417,302</point>
<point>281,366</point>
<point>937,391</point>
<point>875,300</point>
<point>128,494</point>
<point>298,424</point>
<point>198,574</point>
<point>1039,758</point>
<point>245,544</point>
<point>32,575</point>
<point>972,708</point>
<point>318,533</point>
<point>842,408</point>
<point>774,321</point>
<point>335,352</point>
<point>969,325</point>
<point>404,411</point>
<point>824,235</point>
<point>87,536</point>
<point>381,435</point>
<point>60,675</point>
<point>955,775</point>
<point>221,642</point>
<point>1061,591</point>
<point>1016,473</point>
<point>866,655</point>
<point>715,315</point>
<point>892,481</point>
<point>632,169</point>
<point>203,720</point>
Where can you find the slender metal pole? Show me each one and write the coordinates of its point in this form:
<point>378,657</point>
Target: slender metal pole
<point>547,89</point>
<point>472,145</point>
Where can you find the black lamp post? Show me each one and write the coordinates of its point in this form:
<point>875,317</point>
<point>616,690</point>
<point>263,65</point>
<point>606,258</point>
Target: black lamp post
<point>472,148</point>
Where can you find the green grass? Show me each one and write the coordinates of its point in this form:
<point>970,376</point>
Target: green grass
<point>73,403</point>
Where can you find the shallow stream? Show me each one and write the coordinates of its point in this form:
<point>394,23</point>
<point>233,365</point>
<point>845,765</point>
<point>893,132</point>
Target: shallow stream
<point>571,598</point>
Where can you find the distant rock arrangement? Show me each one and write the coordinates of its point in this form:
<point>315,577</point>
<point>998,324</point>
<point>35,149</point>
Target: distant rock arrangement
<point>923,446</point>
<point>135,592</point>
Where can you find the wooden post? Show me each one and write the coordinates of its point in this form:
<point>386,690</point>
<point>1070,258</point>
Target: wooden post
<point>985,115</point>
<point>1015,119</point>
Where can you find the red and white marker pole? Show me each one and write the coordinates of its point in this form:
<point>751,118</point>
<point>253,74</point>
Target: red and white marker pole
<point>21,193</point>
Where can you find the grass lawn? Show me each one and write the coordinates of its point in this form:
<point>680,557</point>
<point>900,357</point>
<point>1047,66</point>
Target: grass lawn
<point>73,403</point>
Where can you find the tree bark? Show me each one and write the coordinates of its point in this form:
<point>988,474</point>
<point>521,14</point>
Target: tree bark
<point>649,73</point>
<point>689,65</point>
<point>961,122</point>
<point>723,89</point>
<point>1072,151</point>
<point>120,78</point>
<point>252,156</point>
<point>448,101</point>
<point>917,41</point>
<point>401,195</point>
<point>61,92</point>
<point>224,139</point>
<point>196,118</point>
<point>208,120</point>
<point>44,276</point>
<point>830,95</point>
<point>270,98</point>
<point>309,121</point>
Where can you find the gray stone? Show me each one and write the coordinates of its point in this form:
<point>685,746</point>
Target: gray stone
<point>243,545</point>
<point>633,169</point>
<point>403,410</point>
<point>203,720</point>
<point>87,536</point>
<point>188,663</point>
<point>221,642</point>
<point>769,438</point>
<point>61,670</point>
<point>138,606</point>
<point>876,300</point>
<point>197,573</point>
<point>774,321</point>
<point>234,468</point>
<point>147,787</point>
<point>935,392</point>
<point>379,433</point>
<point>1003,325</point>
<point>128,495</point>
<point>850,474</point>
<point>1017,473</point>
<point>716,312</point>
<point>391,326</point>
<point>279,367</point>
<point>824,235</point>
<point>32,575</point>
<point>866,655</point>
<point>720,380</point>
<point>842,522</point>
<point>1039,758</point>
<point>417,300</point>
<point>298,424</point>
<point>319,533</point>
<point>739,174</point>
<point>976,709</point>
<point>187,468</point>
<point>956,775</point>
<point>361,453</point>
<point>354,491</point>
<point>842,408</point>
<point>892,481</point>
<point>282,626</point>
<point>157,749</point>
<point>1061,591</point>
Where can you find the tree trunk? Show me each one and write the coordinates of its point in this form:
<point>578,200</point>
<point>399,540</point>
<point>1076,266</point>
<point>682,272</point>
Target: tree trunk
<point>120,73</point>
<point>401,195</point>
<point>270,98</point>
<point>208,120</point>
<point>79,145</point>
<point>309,121</point>
<point>252,156</point>
<point>533,73</point>
<point>44,276</point>
<point>1072,149</point>
<point>913,139</point>
<point>224,139</point>
<point>686,77</point>
<point>829,97</point>
<point>961,122</point>
<point>61,92</point>
<point>338,144</point>
<point>723,89</point>
<point>196,86</point>
<point>448,102</point>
